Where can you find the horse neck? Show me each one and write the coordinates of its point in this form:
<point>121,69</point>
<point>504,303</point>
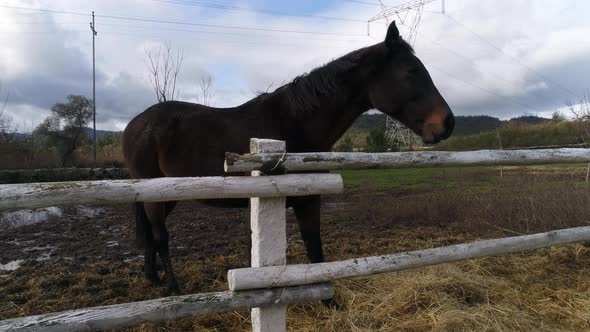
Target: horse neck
<point>317,109</point>
<point>330,124</point>
<point>319,128</point>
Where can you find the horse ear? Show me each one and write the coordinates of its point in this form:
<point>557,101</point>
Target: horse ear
<point>392,37</point>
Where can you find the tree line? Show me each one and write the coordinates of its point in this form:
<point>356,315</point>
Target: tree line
<point>59,140</point>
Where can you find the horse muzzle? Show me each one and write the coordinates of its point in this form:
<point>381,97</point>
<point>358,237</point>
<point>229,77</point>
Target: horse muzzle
<point>438,127</point>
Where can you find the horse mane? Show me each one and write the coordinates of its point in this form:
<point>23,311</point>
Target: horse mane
<point>305,93</point>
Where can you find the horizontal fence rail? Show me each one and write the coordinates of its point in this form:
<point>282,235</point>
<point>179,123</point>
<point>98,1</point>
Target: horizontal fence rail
<point>176,307</point>
<point>301,274</point>
<point>323,161</point>
<point>36,195</point>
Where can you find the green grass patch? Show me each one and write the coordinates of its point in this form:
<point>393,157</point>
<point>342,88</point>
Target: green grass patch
<point>471,178</point>
<point>417,178</point>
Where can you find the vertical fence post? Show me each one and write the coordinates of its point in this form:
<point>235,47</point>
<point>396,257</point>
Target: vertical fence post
<point>269,241</point>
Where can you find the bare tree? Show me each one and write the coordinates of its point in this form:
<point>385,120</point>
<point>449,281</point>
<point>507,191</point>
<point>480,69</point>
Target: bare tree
<point>581,113</point>
<point>206,96</point>
<point>7,127</point>
<point>30,144</point>
<point>164,66</point>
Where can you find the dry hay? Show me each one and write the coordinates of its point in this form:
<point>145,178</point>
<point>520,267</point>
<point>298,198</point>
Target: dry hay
<point>545,291</point>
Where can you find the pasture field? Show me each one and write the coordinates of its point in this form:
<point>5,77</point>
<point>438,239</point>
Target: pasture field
<point>86,260</point>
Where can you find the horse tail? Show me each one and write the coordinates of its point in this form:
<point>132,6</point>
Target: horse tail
<point>141,225</point>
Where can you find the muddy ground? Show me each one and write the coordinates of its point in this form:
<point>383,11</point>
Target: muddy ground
<point>197,231</point>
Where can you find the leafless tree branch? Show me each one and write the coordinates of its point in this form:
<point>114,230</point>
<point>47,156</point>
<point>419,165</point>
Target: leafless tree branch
<point>206,96</point>
<point>7,127</point>
<point>164,66</point>
<point>581,113</point>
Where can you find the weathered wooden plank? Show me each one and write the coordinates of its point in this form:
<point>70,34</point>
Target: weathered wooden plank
<point>279,276</point>
<point>35,195</point>
<point>269,241</point>
<point>129,314</point>
<point>359,160</point>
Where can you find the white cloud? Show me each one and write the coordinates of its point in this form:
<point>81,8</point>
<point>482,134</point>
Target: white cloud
<point>534,45</point>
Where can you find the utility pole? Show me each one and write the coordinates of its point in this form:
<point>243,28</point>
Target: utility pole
<point>443,6</point>
<point>94,33</point>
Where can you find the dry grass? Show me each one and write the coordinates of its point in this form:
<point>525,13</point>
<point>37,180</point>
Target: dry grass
<point>537,292</point>
<point>523,201</point>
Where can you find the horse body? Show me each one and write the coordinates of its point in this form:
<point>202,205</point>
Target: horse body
<point>310,114</point>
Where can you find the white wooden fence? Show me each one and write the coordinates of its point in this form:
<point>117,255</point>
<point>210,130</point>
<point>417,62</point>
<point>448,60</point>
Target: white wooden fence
<point>270,284</point>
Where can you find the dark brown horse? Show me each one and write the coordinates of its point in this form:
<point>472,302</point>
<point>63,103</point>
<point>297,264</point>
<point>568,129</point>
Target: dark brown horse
<point>311,113</point>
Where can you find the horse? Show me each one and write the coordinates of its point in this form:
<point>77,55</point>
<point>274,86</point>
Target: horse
<point>181,139</point>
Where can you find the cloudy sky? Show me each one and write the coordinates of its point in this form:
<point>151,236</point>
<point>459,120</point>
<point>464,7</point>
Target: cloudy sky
<point>499,57</point>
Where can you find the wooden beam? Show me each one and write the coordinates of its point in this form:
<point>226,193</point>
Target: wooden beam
<point>176,307</point>
<point>36,195</point>
<point>269,240</point>
<point>357,160</point>
<point>279,276</point>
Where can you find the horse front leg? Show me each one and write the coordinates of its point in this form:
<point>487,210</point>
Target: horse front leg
<point>307,211</point>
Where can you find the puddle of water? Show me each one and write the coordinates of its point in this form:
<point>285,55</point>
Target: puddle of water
<point>11,266</point>
<point>46,252</point>
<point>44,257</point>
<point>88,212</point>
<point>33,216</point>
<point>40,248</point>
<point>111,244</point>
<point>29,217</point>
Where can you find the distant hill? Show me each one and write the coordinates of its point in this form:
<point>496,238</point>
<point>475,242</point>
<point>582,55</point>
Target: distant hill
<point>471,125</point>
<point>527,120</point>
<point>464,125</point>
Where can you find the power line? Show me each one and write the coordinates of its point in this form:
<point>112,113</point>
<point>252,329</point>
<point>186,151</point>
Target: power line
<point>46,11</point>
<point>177,22</point>
<point>253,10</point>
<point>154,33</point>
<point>499,49</point>
<point>480,88</point>
<point>362,2</point>
<point>158,29</point>
<point>224,26</point>
<point>225,33</point>
<point>464,58</point>
<point>228,42</point>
